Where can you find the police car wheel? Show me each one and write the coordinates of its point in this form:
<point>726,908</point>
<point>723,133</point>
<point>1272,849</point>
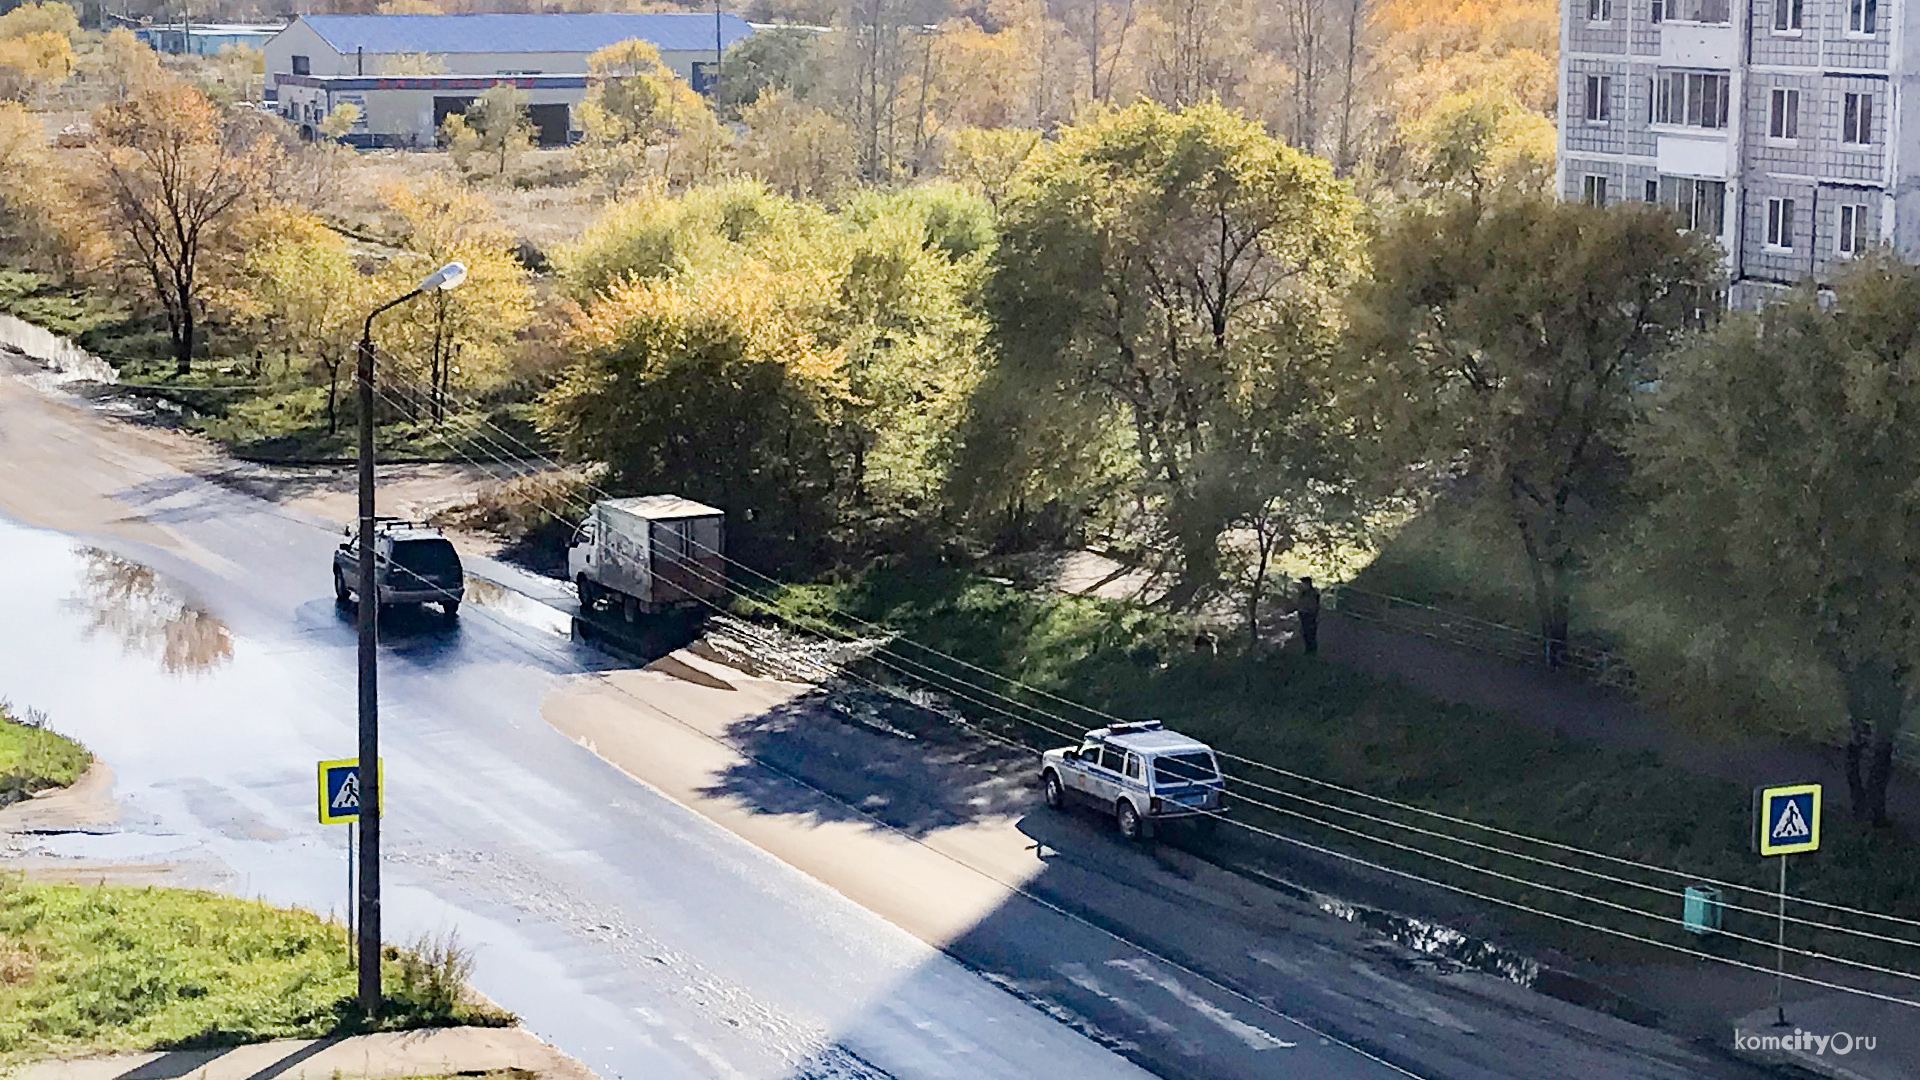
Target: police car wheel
<point>1056,796</point>
<point>340,586</point>
<point>1128,819</point>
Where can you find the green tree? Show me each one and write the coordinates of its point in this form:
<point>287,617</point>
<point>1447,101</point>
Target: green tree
<point>1167,264</point>
<point>1509,336</point>
<point>1781,450</point>
<point>495,124</point>
<point>782,60</point>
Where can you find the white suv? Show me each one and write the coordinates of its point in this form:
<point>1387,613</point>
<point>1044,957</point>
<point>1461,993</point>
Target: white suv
<point>1139,772</point>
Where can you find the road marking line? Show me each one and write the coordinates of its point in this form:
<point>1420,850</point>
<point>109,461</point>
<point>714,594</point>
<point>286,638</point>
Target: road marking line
<point>1256,1038</point>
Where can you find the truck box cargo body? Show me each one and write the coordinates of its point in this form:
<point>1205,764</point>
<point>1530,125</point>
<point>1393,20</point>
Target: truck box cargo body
<point>649,554</point>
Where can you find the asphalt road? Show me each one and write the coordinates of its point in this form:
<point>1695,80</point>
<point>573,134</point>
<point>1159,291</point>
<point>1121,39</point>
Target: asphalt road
<point>633,931</point>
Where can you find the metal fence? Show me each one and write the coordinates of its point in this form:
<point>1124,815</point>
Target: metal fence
<point>1583,660</point>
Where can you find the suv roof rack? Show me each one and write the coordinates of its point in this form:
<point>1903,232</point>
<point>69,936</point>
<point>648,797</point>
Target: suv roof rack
<point>1130,726</point>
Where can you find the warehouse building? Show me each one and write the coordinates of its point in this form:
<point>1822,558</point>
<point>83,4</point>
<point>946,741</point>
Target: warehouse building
<point>372,61</point>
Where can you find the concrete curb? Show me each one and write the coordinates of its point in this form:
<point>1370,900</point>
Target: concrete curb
<point>386,1056</point>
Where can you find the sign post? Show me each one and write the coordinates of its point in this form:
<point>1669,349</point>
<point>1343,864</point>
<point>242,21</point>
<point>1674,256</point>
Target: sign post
<point>1788,821</point>
<point>340,805</point>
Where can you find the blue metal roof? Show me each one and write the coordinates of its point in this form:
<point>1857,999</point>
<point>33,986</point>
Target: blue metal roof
<point>581,33</point>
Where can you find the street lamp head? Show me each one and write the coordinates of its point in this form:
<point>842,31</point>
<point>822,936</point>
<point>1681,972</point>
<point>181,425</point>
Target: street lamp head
<point>447,277</point>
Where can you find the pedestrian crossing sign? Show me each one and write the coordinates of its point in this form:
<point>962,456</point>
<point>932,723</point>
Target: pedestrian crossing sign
<point>1789,819</point>
<point>340,790</point>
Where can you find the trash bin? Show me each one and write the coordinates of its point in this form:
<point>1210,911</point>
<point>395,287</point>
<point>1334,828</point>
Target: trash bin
<point>1702,913</point>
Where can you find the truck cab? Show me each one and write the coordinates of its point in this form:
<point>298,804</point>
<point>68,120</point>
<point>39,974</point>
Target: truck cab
<point>1140,773</point>
<point>413,564</point>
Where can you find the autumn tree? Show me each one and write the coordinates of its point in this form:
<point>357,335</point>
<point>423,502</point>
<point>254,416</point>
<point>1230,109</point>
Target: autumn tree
<point>1508,337</point>
<point>466,336</point>
<point>989,159</point>
<point>1174,266</point>
<point>41,223</point>
<point>305,295</point>
<point>36,48</point>
<point>798,149</point>
<point>173,179</point>
<point>1780,450</point>
<point>495,124</point>
<point>637,109</point>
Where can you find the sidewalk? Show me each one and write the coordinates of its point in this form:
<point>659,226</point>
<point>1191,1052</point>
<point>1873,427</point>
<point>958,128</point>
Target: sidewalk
<point>1835,1035</point>
<point>395,1056</point>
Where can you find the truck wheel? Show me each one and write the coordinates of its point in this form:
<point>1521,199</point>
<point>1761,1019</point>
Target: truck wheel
<point>340,593</point>
<point>588,594</point>
<point>1129,821</point>
<point>1056,795</point>
<point>450,609</point>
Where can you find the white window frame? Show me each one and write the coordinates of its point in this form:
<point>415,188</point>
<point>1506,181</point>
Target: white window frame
<point>1863,18</point>
<point>1599,12</point>
<point>1856,118</point>
<point>1789,18</point>
<point>1593,189</point>
<point>1780,224</point>
<point>1783,115</point>
<point>1688,202</point>
<point>1653,190</point>
<point>1599,106</point>
<point>1850,235</point>
<point>1693,87</point>
<point>1658,10</point>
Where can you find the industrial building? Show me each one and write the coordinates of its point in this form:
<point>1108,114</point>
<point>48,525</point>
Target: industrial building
<point>321,61</point>
<point>1778,126</point>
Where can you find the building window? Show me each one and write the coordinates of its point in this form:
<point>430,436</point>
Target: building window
<point>1783,122</point>
<point>1861,16</point>
<point>1659,9</point>
<point>1599,10</point>
<point>1853,229</point>
<point>1706,11</point>
<point>1856,119</point>
<point>1693,99</point>
<point>1599,98</point>
<point>1653,191</point>
<point>302,66</point>
<point>1701,204</point>
<point>1593,190</point>
<point>1780,224</point>
<point>1787,16</point>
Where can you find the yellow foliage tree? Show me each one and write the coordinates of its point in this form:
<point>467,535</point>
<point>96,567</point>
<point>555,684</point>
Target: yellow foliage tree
<point>1482,139</point>
<point>33,62</point>
<point>639,116</point>
<point>40,18</point>
<point>798,149</point>
<point>989,159</point>
<point>306,295</point>
<point>41,223</point>
<point>465,338</point>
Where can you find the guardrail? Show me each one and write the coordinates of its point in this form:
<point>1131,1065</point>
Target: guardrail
<point>1585,661</point>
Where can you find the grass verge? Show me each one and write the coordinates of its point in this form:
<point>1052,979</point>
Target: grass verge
<point>1326,721</point>
<point>87,970</point>
<point>33,758</point>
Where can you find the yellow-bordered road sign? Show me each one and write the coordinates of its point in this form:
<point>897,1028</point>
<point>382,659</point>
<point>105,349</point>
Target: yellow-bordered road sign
<point>340,790</point>
<point>1789,819</point>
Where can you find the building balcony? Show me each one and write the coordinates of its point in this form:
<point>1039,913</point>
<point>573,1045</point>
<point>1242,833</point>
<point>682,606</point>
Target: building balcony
<point>1697,152</point>
<point>1698,45</point>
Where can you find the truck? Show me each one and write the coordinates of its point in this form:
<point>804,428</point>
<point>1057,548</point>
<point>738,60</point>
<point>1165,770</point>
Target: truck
<point>648,555</point>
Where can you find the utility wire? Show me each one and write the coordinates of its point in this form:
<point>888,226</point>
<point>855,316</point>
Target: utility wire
<point>473,425</point>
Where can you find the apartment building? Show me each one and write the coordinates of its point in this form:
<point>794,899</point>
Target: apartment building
<point>1779,126</point>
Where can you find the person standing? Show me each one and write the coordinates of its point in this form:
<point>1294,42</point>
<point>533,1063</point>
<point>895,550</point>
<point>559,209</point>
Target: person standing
<point>1308,606</point>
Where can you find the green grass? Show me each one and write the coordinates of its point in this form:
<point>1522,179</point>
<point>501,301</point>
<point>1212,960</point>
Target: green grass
<point>87,969</point>
<point>33,758</point>
<point>1319,718</point>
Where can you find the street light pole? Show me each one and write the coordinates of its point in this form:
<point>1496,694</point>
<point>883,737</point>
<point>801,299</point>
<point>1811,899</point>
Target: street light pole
<point>367,946</point>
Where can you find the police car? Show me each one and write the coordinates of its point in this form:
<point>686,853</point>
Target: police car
<point>1140,773</point>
